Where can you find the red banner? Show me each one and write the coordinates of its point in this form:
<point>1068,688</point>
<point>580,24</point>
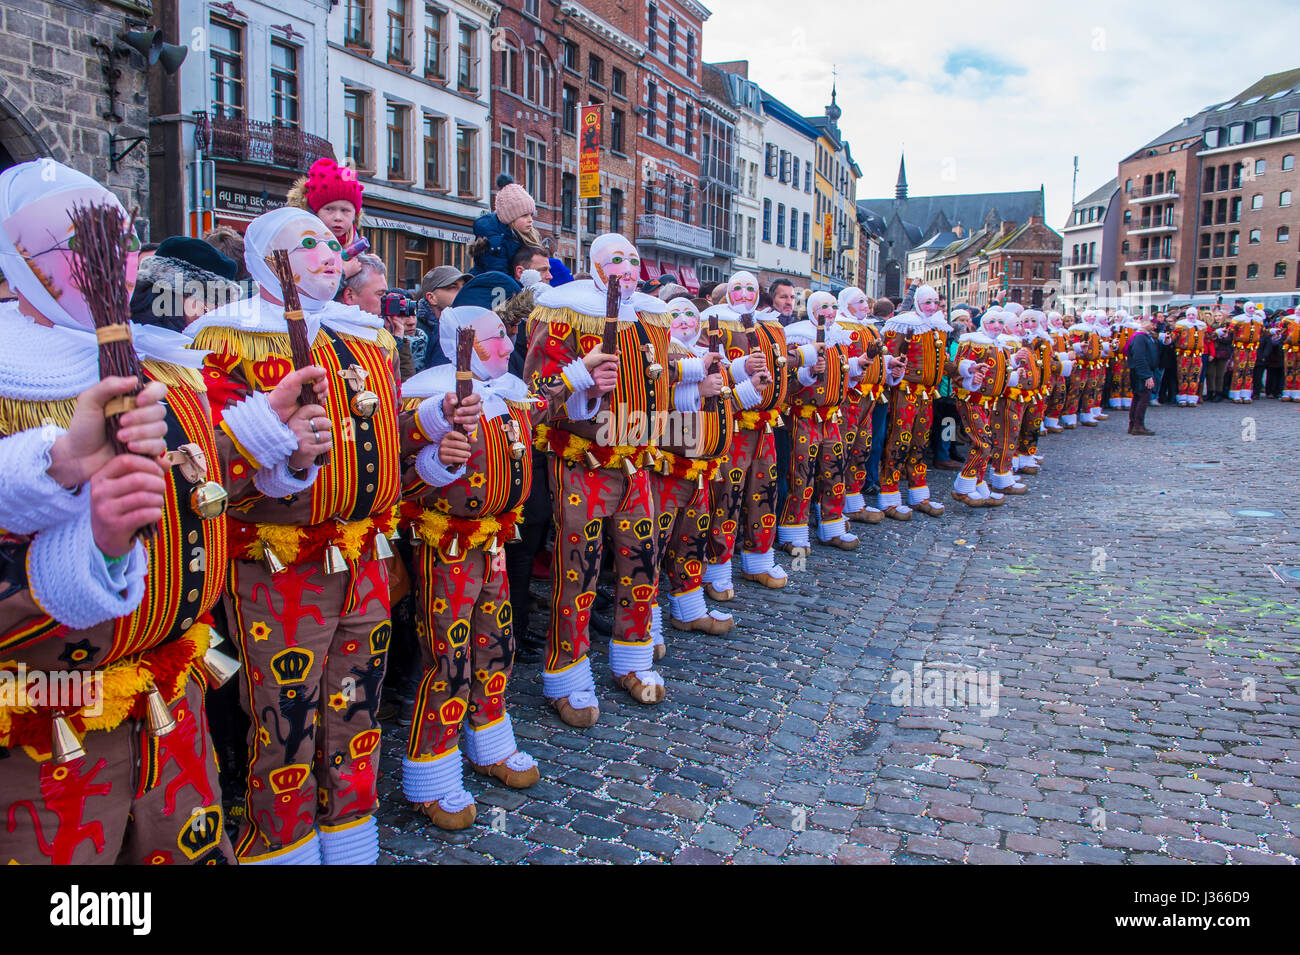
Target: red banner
<point>589,154</point>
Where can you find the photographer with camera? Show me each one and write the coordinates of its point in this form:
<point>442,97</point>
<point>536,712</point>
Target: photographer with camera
<point>367,288</point>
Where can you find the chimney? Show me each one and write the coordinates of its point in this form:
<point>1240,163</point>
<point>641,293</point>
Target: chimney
<point>1006,228</point>
<point>1035,220</point>
<point>958,231</point>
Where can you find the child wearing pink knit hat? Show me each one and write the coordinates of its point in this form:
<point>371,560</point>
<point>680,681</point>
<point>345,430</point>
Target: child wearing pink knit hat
<point>334,194</point>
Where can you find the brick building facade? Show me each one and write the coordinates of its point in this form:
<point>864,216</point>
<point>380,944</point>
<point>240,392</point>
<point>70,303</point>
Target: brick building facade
<point>598,65</point>
<point>526,54</point>
<point>665,99</point>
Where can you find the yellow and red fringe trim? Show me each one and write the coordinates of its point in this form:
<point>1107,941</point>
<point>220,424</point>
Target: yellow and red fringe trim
<point>21,414</point>
<point>126,683</point>
<point>259,346</point>
<point>827,413</point>
<point>749,420</point>
<point>293,543</point>
<point>688,469</point>
<point>564,320</point>
<point>572,448</point>
<point>439,530</point>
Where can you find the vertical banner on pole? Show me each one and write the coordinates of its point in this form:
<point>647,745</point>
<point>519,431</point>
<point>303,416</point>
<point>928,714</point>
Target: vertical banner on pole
<point>589,154</point>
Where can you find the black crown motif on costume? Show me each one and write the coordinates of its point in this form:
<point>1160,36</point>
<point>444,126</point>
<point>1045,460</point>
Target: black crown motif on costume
<point>380,637</point>
<point>291,665</point>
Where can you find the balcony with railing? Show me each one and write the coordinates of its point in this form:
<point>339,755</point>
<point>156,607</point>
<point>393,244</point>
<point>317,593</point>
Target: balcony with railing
<point>251,140</point>
<point>1153,227</point>
<point>1152,193</point>
<point>1149,257</point>
<point>1080,262</point>
<point>657,228</point>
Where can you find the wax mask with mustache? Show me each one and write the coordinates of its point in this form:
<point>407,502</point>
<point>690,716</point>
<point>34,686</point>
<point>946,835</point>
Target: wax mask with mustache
<point>492,347</point>
<point>614,257</point>
<point>742,292</point>
<point>926,301</point>
<point>684,321</point>
<point>40,232</point>
<point>821,308</point>
<point>314,253</point>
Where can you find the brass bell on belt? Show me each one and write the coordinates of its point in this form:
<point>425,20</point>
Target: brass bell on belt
<point>652,368</point>
<point>628,467</point>
<point>493,547</point>
<point>518,536</point>
<point>415,535</point>
<point>364,404</point>
<point>781,361</point>
<point>382,550</point>
<point>219,667</point>
<point>208,500</point>
<point>273,563</point>
<point>64,744</point>
<point>334,562</point>
<point>159,714</point>
<point>453,549</point>
<point>725,393</point>
<point>592,461</point>
<point>517,449</point>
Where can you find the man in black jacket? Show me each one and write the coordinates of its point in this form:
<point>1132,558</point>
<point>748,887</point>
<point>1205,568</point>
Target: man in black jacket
<point>1143,356</point>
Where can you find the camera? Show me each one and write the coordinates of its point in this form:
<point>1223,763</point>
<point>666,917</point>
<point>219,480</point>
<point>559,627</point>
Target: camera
<point>397,303</point>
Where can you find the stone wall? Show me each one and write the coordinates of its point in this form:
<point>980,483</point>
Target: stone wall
<point>53,92</point>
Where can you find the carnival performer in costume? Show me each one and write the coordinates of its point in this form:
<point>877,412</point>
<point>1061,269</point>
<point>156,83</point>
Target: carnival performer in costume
<point>1007,408</point>
<point>1121,389</point>
<point>1086,343</point>
<point>129,775</point>
<point>601,473</point>
<point>981,376</point>
<point>692,452</point>
<point>462,516</point>
<point>1191,339</point>
<point>816,443</point>
<point>1289,326</point>
<point>744,491</point>
<point>1101,324</point>
<point>920,339</point>
<point>1061,370</point>
<point>867,353</point>
<point>1039,343</point>
<point>308,587</point>
<point>1247,332</point>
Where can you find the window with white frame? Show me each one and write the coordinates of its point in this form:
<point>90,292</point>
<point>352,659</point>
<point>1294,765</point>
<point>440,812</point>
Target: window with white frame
<point>226,62</point>
<point>435,138</point>
<point>508,152</point>
<point>399,117</point>
<point>535,170</point>
<point>284,84</point>
<point>466,160</point>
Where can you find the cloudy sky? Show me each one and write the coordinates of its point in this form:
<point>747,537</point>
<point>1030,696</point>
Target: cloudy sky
<point>1000,96</point>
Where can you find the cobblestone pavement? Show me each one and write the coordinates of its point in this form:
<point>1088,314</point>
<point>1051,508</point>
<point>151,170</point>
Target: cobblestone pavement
<point>1144,633</point>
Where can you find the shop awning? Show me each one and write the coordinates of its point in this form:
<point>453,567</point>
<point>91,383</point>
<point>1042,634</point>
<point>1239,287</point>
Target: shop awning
<point>689,279</point>
<point>649,269</point>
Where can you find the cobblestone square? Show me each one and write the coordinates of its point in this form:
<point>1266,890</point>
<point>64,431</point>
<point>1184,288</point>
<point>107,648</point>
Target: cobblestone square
<point>1135,607</point>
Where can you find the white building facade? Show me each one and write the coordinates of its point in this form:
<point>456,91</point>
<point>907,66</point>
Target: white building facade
<point>249,110</point>
<point>409,87</point>
<point>1087,252</point>
<point>786,194</point>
